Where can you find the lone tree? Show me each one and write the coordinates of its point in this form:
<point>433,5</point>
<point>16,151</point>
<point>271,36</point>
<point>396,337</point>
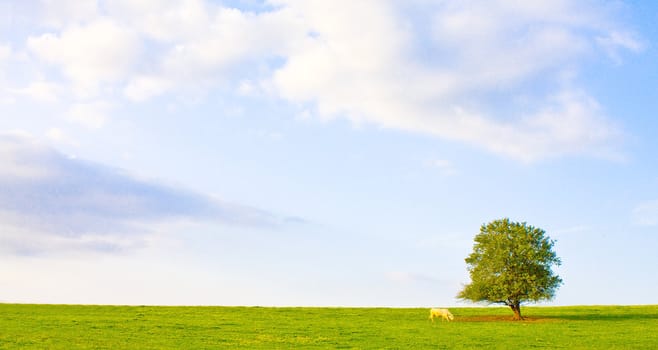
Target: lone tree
<point>511,264</point>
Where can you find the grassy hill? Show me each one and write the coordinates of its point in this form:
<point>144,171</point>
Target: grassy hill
<point>146,327</point>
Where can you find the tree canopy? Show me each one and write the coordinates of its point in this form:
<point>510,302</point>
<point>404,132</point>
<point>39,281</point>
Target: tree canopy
<point>511,263</point>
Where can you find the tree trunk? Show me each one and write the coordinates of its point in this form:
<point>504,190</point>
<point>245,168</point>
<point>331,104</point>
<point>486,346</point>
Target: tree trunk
<point>516,307</point>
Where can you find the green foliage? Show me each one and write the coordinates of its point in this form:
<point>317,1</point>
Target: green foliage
<point>73,327</point>
<point>511,263</point>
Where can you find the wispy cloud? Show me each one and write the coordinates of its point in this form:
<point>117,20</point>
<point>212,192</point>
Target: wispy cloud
<point>453,82</point>
<point>98,52</point>
<point>50,198</point>
<point>615,41</point>
<point>40,91</point>
<point>646,213</point>
<point>499,75</point>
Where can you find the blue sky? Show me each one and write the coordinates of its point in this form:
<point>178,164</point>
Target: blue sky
<point>292,152</point>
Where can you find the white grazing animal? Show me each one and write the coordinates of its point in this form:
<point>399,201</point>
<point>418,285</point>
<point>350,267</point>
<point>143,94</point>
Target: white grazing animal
<point>445,314</point>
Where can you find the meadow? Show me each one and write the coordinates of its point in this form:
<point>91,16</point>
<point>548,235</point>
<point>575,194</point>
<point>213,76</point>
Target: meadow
<point>157,327</point>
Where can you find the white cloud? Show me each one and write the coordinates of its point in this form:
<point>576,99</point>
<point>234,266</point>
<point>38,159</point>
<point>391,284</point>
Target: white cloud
<point>646,213</point>
<point>208,41</point>
<point>5,55</point>
<point>62,13</point>
<point>16,152</point>
<point>481,51</point>
<point>166,21</point>
<point>55,134</point>
<point>454,70</point>
<point>89,114</point>
<point>494,43</point>
<point>615,41</point>
<point>90,54</point>
<point>248,88</point>
<point>50,201</point>
<point>19,237</point>
<point>40,91</point>
<point>571,122</point>
<point>195,45</point>
<point>5,52</point>
<point>60,136</point>
<point>568,123</point>
<point>144,87</point>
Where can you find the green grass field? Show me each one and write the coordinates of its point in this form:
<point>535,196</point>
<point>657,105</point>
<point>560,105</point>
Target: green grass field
<point>139,327</point>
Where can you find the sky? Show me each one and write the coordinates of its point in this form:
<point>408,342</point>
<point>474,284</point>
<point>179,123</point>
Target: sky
<point>322,153</point>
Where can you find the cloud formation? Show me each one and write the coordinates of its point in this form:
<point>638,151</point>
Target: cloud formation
<point>470,79</point>
<point>101,51</point>
<point>48,199</point>
<point>501,75</point>
<point>646,213</point>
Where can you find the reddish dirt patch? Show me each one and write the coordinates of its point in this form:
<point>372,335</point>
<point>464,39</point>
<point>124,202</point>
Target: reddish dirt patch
<point>530,319</point>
